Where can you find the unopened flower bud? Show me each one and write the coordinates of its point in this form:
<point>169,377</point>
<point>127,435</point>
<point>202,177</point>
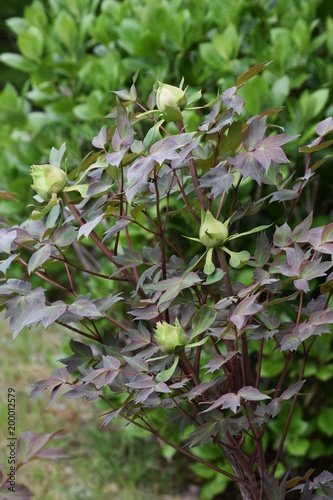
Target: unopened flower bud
<point>169,337</point>
<point>213,233</point>
<point>168,95</point>
<point>48,179</point>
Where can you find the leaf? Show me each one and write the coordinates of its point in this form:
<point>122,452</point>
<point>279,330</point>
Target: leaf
<point>324,127</point>
<point>39,257</point>
<point>238,259</point>
<point>282,236</point>
<point>230,400</point>
<point>25,310</point>
<point>251,73</point>
<point>84,308</point>
<point>217,361</point>
<point>137,176</point>
<point>110,416</point>
<point>6,240</point>
<point>202,434</point>
<point>137,362</point>
<point>96,189</point>
<point>235,102</point>
<point>317,147</point>
<point>165,149</point>
<point>254,134</point>
<point>81,354</point>
<point>88,227</point>
<point>100,139</point>
<point>209,267</point>
<point>320,162</point>
<point>252,394</point>
<point>218,180</point>
<point>14,285</point>
<point>165,375</point>
<point>314,269</point>
<point>53,312</point>
<point>284,195</point>
<point>116,228</point>
<point>262,251</point>
<point>249,166</point>
<point>129,259</point>
<point>5,264</point>
<point>65,235</point>
<point>17,61</point>
<point>30,446</point>
<point>292,390</point>
<point>104,303</point>
<point>202,320</point>
<point>291,342</point>
<point>251,231</point>
<point>247,307</point>
<point>265,155</point>
<point>56,155</point>
<point>153,135</point>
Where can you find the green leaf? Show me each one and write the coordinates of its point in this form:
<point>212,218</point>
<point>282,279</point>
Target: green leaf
<point>196,344</point>
<point>153,135</point>
<point>230,142</point>
<point>320,162</point>
<point>81,188</point>
<point>17,61</point>
<point>216,276</point>
<point>312,149</point>
<point>238,259</point>
<point>165,375</point>
<point>202,320</point>
<point>39,214</point>
<point>31,43</point>
<point>252,231</point>
<point>65,29</point>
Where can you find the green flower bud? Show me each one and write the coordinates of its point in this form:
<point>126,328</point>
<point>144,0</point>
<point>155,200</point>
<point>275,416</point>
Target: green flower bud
<point>213,233</point>
<point>169,337</point>
<point>48,179</point>
<point>168,95</point>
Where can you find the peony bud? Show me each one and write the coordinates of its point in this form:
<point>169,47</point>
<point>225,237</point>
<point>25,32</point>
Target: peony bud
<point>213,233</point>
<point>48,179</point>
<point>168,95</point>
<point>169,337</point>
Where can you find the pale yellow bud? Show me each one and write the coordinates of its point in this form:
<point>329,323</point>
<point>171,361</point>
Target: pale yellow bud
<point>213,233</point>
<point>169,337</point>
<point>168,95</point>
<point>47,179</point>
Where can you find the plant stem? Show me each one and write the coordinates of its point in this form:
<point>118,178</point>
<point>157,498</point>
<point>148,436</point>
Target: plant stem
<point>193,172</point>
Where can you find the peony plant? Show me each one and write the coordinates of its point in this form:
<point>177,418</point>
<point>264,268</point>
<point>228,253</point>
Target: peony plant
<point>177,341</point>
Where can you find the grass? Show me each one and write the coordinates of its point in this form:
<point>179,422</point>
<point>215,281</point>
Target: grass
<point>115,463</point>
